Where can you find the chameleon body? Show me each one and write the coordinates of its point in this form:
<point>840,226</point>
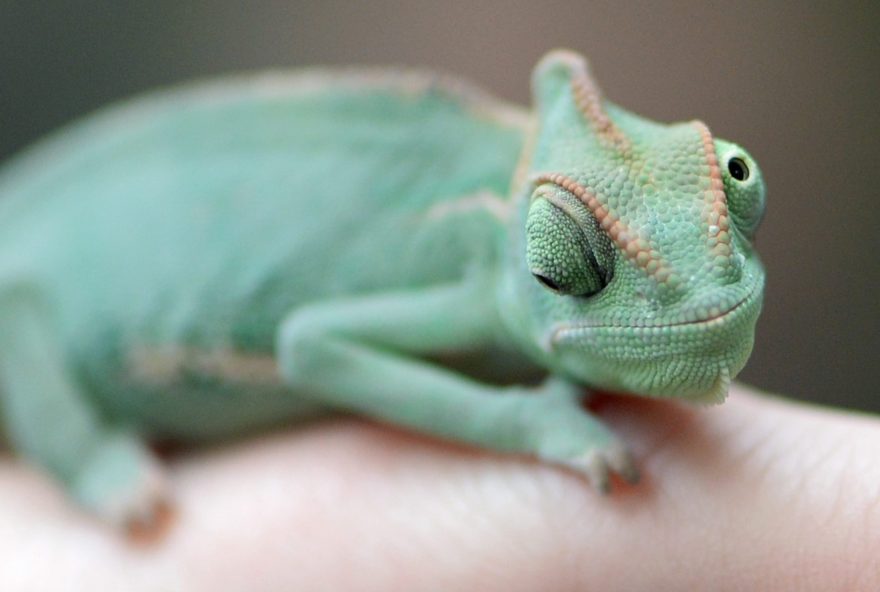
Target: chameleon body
<point>215,259</point>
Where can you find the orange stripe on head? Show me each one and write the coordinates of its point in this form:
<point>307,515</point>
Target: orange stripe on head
<point>589,102</point>
<point>715,213</point>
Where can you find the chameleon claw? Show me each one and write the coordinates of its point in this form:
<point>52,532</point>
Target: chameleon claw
<point>597,466</point>
<point>594,466</point>
<point>125,486</point>
<point>149,525</point>
<point>621,462</point>
<point>144,512</point>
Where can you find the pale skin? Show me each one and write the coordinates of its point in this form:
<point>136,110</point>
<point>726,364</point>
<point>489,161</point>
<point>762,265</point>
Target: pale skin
<point>759,494</point>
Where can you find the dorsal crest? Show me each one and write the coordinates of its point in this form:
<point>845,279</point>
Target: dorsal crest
<point>563,67</point>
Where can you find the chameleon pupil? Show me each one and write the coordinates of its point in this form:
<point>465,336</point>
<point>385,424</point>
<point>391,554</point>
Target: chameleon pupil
<point>738,169</point>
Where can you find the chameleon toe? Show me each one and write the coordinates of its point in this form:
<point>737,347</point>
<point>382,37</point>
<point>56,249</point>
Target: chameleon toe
<point>151,524</point>
<point>596,469</point>
<point>621,462</point>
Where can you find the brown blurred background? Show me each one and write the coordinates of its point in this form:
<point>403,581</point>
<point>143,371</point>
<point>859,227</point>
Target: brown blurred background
<point>796,85</point>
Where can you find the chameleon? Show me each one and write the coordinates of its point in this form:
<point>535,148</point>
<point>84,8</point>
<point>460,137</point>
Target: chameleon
<point>226,256</point>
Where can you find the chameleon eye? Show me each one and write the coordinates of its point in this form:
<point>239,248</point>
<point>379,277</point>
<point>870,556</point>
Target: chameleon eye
<point>738,169</point>
<point>561,252</point>
<point>744,188</point>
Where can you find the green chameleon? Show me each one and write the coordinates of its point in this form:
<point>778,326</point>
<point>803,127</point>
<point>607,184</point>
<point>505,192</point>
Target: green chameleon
<point>220,258</point>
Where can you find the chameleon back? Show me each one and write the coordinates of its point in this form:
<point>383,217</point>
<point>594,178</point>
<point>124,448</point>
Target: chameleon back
<point>196,219</point>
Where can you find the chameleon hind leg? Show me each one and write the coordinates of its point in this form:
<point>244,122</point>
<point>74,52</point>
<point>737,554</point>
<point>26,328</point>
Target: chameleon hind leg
<point>107,470</point>
<point>362,355</point>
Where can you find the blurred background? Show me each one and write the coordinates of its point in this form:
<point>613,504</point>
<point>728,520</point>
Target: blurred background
<point>797,85</point>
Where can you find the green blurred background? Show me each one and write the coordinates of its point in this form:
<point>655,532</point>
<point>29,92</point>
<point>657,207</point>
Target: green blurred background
<point>796,84</point>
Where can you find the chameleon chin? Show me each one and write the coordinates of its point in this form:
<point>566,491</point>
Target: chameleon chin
<point>306,240</point>
<point>693,360</point>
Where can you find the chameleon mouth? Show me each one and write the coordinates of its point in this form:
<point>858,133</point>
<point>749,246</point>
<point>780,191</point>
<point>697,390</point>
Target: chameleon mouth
<point>716,317</point>
<point>564,332</point>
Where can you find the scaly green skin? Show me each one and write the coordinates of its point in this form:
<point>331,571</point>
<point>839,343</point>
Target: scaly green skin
<point>214,260</point>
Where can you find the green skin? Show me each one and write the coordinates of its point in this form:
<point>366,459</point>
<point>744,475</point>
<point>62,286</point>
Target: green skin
<point>214,260</point>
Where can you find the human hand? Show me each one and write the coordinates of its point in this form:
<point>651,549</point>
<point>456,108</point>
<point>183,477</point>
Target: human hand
<point>758,494</point>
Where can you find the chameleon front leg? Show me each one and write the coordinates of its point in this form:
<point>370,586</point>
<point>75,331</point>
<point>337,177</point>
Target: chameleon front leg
<point>107,470</point>
<point>362,355</point>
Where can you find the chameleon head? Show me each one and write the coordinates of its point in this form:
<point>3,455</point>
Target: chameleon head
<point>638,238</point>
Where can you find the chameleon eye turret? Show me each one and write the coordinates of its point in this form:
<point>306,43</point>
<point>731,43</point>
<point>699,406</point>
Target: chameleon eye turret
<point>744,187</point>
<point>566,251</point>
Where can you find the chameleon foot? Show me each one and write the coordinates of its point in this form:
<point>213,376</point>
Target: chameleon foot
<point>566,434</point>
<point>124,484</point>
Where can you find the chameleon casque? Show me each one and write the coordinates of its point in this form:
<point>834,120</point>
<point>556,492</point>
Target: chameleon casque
<point>223,257</point>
